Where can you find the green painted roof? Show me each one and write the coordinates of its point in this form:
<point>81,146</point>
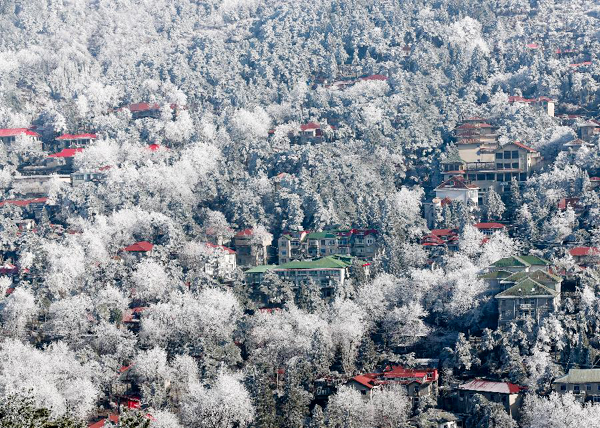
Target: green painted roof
<point>580,376</point>
<point>536,261</point>
<point>260,269</point>
<point>329,262</point>
<point>521,261</point>
<point>527,288</point>
<point>321,235</point>
<point>511,261</point>
<point>516,277</point>
<point>496,274</point>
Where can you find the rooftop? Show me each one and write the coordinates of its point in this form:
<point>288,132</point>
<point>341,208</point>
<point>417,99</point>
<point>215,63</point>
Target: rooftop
<point>580,376</point>
<point>139,247</point>
<point>527,288</point>
<point>13,132</point>
<point>481,385</point>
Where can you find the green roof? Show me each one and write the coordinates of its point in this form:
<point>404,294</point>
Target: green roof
<point>260,269</point>
<point>527,288</point>
<point>524,261</point>
<point>580,376</point>
<point>535,261</point>
<point>511,261</point>
<point>540,276</point>
<point>321,235</point>
<point>496,274</point>
<point>329,262</point>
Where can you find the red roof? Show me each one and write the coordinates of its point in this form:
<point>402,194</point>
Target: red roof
<point>141,247</point>
<point>580,64</point>
<point>24,202</point>
<point>584,251</point>
<point>523,146</point>
<point>365,380</point>
<point>594,178</point>
<point>481,385</point>
<point>309,126</point>
<point>155,147</point>
<point>137,107</point>
<point>66,153</point>
<point>568,202</point>
<point>77,137</point>
<point>220,247</point>
<point>533,45</point>
<point>443,232</point>
<point>489,226</point>
<point>112,418</point>
<point>456,182</point>
<point>13,132</point>
<point>245,232</point>
<point>129,313</point>
<point>376,77</point>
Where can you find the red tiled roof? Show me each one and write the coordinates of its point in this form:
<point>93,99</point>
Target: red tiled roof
<point>77,137</point>
<point>13,132</point>
<point>24,202</point>
<point>523,146</point>
<point>112,418</point>
<point>375,77</point>
<point>245,232</point>
<point>584,251</point>
<point>137,107</point>
<point>532,45</point>
<point>309,126</point>
<point>364,380</point>
<point>456,182</point>
<point>66,153</point>
<point>481,385</point>
<point>580,64</point>
<point>141,246</point>
<point>489,226</point>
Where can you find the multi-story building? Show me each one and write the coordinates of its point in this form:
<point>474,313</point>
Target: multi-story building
<point>221,261</point>
<point>528,298</point>
<point>520,264</point>
<point>328,272</point>
<point>544,104</point>
<point>480,159</point>
<point>252,249</point>
<point>360,243</point>
<point>457,188</point>
<point>583,383</point>
<point>71,141</point>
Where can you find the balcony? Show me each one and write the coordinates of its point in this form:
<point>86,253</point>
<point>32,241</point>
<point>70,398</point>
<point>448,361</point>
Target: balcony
<point>480,166</point>
<point>526,306</point>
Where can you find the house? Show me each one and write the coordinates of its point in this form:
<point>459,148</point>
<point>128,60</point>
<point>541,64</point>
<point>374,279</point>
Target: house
<point>252,249</point>
<point>587,130</point>
<point>64,160</point>
<point>139,249</point>
<point>419,383</point>
<point>328,272</point>
<point>221,262</point>
<point>9,136</point>
<point>520,263</point>
<point>480,159</point>
<point>441,238</point>
<point>505,393</point>
<point>68,141</point>
<point>547,279</point>
<point>457,188</point>
<point>527,298</point>
<point>311,132</point>
<point>362,243</point>
<point>583,383</point>
<point>37,185</point>
<point>573,203</point>
<point>576,144</point>
<point>544,104</point>
<point>33,207</point>
<point>489,228</point>
<point>585,256</point>
<point>494,280</point>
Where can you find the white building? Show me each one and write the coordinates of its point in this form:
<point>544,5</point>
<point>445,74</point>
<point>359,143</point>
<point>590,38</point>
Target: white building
<point>458,189</point>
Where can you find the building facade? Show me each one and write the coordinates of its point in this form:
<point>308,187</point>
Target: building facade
<point>583,383</point>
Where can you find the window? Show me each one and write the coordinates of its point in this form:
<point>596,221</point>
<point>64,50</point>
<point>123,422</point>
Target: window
<point>588,387</point>
<point>563,387</point>
<point>480,177</point>
<point>506,166</point>
<point>283,252</point>
<point>490,177</point>
<point>499,166</point>
<point>576,388</point>
<point>322,242</point>
<point>515,154</point>
<point>515,165</point>
<point>498,155</point>
<point>472,177</point>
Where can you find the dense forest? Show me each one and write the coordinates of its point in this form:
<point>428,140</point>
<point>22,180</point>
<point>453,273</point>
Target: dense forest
<point>228,85</point>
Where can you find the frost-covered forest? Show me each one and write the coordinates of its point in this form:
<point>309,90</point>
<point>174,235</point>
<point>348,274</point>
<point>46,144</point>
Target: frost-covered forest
<point>199,112</point>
